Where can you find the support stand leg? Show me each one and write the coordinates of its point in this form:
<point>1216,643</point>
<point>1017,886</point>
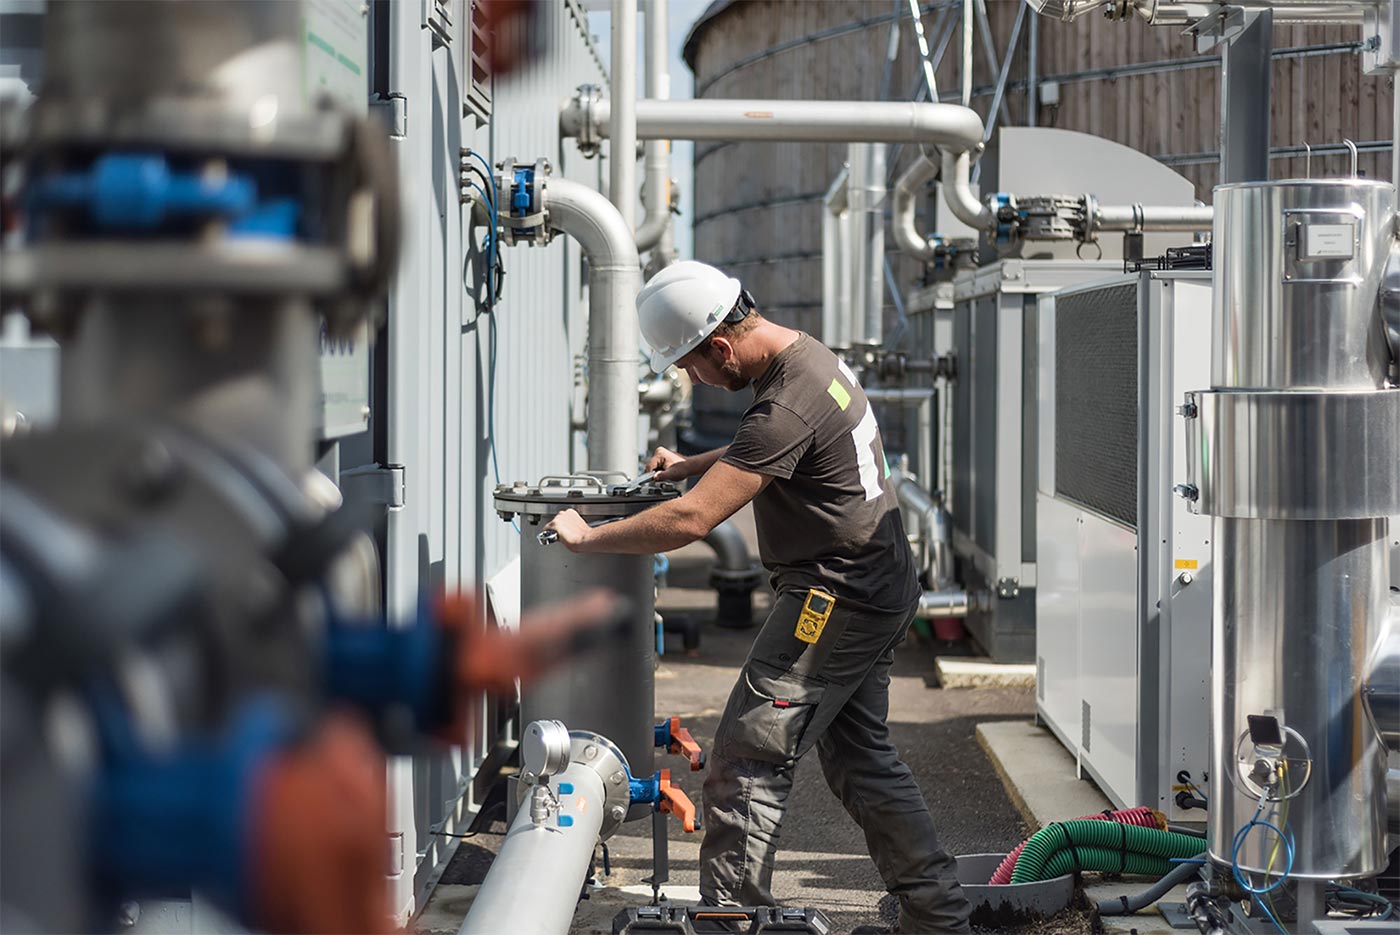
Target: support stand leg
<point>1311,906</point>
<point>660,856</point>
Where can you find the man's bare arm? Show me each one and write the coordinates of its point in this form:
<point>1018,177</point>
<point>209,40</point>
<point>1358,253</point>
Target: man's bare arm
<point>670,525</point>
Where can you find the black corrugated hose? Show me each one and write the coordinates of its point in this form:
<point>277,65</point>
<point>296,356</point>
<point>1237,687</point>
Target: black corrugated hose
<point>1127,905</point>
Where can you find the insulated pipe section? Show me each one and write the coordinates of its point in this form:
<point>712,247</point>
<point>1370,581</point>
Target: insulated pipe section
<point>534,883</point>
<point>906,233</point>
<point>614,279</point>
<point>1127,905</point>
<point>656,164</point>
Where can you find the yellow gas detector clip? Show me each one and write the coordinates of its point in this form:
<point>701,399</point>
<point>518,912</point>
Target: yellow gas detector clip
<point>816,610</point>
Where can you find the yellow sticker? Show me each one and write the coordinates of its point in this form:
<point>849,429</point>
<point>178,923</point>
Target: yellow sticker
<point>1186,564</point>
<point>838,393</point>
<point>816,610</point>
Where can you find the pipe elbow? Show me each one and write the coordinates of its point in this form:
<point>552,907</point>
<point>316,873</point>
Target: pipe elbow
<point>949,126</point>
<point>902,224</point>
<point>592,220</point>
<point>957,192</point>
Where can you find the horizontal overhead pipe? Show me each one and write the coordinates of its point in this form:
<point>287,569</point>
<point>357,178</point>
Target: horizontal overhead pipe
<point>955,130</point>
<point>614,279</point>
<point>944,125</point>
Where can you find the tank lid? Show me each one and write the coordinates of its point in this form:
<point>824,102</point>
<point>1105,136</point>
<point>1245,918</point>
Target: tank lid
<point>591,493</point>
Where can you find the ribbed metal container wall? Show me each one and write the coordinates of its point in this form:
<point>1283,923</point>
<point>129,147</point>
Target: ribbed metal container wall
<point>757,206</point>
<point>447,535</point>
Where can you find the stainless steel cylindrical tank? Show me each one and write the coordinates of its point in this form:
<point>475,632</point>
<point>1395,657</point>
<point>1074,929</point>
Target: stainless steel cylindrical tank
<point>1295,453</point>
<point>610,691</point>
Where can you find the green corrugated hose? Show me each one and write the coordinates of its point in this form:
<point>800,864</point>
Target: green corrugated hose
<point>1101,845</point>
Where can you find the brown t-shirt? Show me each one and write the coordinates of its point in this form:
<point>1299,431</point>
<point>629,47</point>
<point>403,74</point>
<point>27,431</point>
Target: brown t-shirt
<point>829,519</point>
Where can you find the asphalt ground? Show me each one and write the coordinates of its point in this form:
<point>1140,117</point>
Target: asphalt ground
<point>822,860</point>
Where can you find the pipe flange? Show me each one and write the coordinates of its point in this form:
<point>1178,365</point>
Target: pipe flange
<point>601,755</point>
<point>585,103</point>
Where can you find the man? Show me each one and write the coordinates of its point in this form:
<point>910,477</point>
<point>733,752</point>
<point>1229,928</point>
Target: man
<point>808,454</point>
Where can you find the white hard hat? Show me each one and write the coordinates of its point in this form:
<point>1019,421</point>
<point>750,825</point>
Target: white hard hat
<point>680,306</point>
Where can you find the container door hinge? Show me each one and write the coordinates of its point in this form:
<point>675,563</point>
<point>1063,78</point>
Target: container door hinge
<point>374,483</point>
<point>393,110</point>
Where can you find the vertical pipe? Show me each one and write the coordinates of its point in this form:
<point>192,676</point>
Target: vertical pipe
<point>873,287</point>
<point>857,217</point>
<point>1395,128</point>
<point>657,159</point>
<point>967,25</point>
<point>1032,72</point>
<point>1246,67</point>
<point>622,132</point>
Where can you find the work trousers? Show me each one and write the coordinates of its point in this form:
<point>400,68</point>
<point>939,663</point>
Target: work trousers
<point>834,694</point>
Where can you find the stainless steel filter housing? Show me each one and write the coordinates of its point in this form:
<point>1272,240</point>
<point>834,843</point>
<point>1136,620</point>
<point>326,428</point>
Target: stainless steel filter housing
<point>611,690</point>
<point>1296,453</point>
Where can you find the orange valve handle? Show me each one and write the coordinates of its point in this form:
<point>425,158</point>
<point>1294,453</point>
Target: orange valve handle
<point>675,801</point>
<point>684,744</point>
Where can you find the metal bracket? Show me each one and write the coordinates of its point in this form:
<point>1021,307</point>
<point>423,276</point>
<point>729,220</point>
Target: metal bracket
<point>374,484</point>
<point>393,111</point>
<point>1008,589</point>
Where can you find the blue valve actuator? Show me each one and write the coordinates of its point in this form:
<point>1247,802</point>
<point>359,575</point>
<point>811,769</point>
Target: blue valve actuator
<point>167,823</point>
<point>376,667</point>
<point>140,191</point>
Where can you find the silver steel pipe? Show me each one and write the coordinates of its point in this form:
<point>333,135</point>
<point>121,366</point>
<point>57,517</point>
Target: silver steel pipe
<point>903,395</point>
<point>942,604</point>
<point>934,528</point>
<point>1392,801</point>
<point>943,125</point>
<point>656,162</point>
<point>902,224</point>
<point>866,195</point>
<point>614,279</point>
<point>958,193</point>
<point>836,265</point>
<point>534,883</point>
<point>622,123</point>
<point>1137,218</point>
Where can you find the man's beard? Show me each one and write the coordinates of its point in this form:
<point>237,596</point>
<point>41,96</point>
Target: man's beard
<point>734,379</point>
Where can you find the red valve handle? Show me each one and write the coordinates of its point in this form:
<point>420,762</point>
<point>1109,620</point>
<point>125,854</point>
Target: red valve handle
<point>684,744</point>
<point>675,801</point>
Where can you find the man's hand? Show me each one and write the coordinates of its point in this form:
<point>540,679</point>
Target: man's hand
<point>572,529</point>
<point>668,465</point>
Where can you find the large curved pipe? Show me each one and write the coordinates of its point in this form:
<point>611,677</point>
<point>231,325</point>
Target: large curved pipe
<point>735,575</point>
<point>957,192</point>
<point>942,604</point>
<point>656,163</point>
<point>534,883</point>
<point>906,233</point>
<point>614,279</point>
<point>934,528</point>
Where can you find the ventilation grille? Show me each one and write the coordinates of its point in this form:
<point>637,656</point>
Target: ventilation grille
<point>1096,400</point>
<point>1085,713</point>
<point>477,86</point>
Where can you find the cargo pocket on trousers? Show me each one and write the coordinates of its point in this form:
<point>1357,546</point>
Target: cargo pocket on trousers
<point>768,713</point>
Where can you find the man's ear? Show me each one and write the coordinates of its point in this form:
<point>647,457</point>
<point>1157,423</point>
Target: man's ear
<point>723,349</point>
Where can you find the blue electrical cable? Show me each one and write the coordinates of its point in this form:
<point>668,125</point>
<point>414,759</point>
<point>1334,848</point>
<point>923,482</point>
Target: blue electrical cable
<point>1253,891</point>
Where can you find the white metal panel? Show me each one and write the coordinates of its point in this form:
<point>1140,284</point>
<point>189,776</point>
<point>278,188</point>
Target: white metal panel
<point>1108,642</point>
<point>1057,689</point>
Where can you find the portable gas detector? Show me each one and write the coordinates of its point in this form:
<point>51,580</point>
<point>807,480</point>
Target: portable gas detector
<point>816,610</point>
